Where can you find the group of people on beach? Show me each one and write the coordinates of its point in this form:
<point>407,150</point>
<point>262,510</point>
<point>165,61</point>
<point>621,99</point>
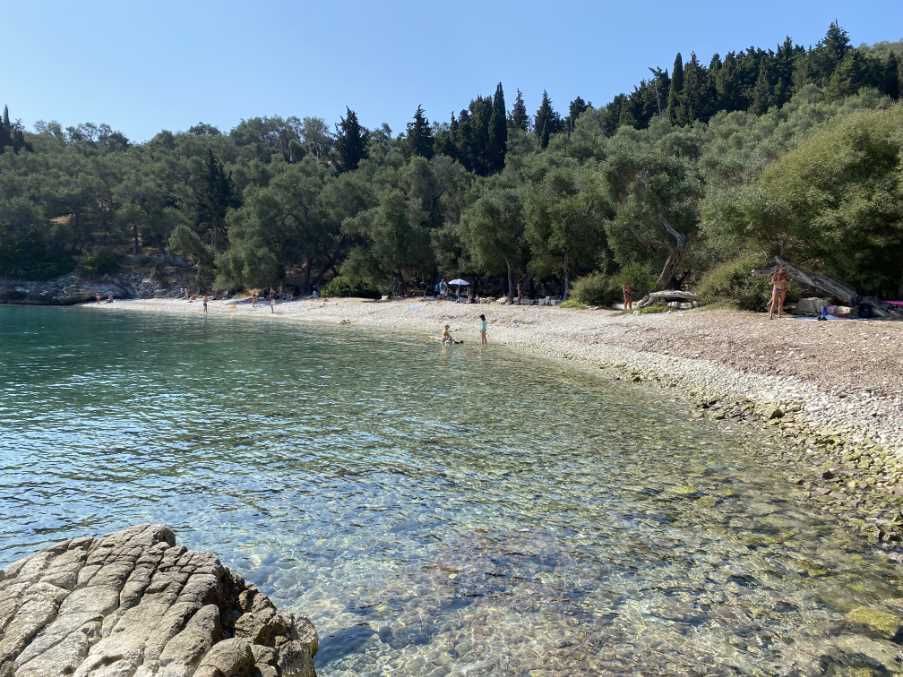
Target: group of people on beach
<point>448,339</point>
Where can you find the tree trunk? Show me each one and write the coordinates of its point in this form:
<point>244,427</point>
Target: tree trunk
<point>135,238</point>
<point>674,257</point>
<point>307,275</point>
<point>510,283</point>
<point>567,278</point>
<point>842,292</point>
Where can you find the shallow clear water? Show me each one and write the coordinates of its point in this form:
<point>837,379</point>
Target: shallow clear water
<point>432,510</point>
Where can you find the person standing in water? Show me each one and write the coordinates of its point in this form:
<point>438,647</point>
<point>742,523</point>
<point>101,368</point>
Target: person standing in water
<point>272,302</point>
<point>205,304</point>
<point>483,340</point>
<point>780,283</point>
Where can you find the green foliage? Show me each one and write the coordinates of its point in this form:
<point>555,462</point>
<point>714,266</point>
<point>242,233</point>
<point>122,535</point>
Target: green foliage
<point>733,282</point>
<point>638,276</point>
<point>101,262</point>
<point>836,201</point>
<point>787,150</point>
<point>344,286</point>
<point>493,232</point>
<point>573,304</point>
<point>597,289</point>
<point>420,136</point>
<point>351,141</point>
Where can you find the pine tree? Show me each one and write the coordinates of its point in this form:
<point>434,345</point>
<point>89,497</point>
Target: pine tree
<point>761,95</point>
<point>850,75</point>
<point>828,54</point>
<point>216,196</point>
<point>6,117</point>
<point>498,132</point>
<point>890,83</point>
<point>676,111</point>
<point>694,90</point>
<point>519,118</point>
<point>420,136</point>
<point>578,106</point>
<point>351,141</point>
<point>546,122</point>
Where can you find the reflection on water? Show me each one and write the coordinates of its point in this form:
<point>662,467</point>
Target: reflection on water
<point>431,509</point>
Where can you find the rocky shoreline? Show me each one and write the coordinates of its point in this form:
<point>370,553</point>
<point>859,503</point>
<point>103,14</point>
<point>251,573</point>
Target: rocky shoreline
<point>162,277</point>
<point>135,603</point>
<point>854,479</point>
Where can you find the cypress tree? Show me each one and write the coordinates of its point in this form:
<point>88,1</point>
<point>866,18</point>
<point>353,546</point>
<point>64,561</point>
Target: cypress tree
<point>498,132</point>
<point>351,141</point>
<point>6,137</point>
<point>519,117</point>
<point>546,122</point>
<point>676,111</point>
<point>420,136</point>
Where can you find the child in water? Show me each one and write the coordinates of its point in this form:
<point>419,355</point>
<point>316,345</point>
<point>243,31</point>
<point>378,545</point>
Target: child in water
<point>447,338</point>
<point>483,340</point>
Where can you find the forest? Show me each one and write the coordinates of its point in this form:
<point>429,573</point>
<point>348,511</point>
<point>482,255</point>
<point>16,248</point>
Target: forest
<point>699,174</point>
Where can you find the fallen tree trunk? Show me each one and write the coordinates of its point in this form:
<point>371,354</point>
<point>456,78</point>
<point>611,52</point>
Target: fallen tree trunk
<point>667,295</point>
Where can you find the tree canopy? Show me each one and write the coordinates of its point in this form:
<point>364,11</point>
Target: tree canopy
<point>788,150</point>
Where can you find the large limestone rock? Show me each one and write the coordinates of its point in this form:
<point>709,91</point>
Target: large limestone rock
<point>135,603</point>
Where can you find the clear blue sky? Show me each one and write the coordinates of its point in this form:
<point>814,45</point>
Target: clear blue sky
<point>142,65</point>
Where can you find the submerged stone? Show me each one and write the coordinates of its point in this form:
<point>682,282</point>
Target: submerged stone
<point>885,623</point>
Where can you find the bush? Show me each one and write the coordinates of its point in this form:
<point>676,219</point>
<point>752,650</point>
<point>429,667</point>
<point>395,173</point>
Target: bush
<point>102,262</point>
<point>596,289</point>
<point>346,287</point>
<point>638,276</point>
<point>731,281</point>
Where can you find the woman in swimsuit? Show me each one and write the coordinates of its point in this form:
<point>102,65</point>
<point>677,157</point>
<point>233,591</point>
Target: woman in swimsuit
<point>780,283</point>
<point>483,340</point>
<point>628,296</point>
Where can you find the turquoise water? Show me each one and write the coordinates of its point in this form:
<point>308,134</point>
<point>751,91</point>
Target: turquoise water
<point>433,510</point>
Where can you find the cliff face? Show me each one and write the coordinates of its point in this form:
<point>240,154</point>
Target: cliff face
<point>135,603</point>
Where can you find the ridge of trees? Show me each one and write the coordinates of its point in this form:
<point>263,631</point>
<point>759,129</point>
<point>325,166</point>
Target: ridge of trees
<point>661,182</point>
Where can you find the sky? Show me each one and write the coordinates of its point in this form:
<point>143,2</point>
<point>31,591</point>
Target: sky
<point>145,65</point>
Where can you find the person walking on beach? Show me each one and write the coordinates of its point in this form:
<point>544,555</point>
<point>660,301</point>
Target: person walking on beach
<point>443,289</point>
<point>628,296</point>
<point>205,303</point>
<point>483,340</point>
<point>780,283</point>
<point>272,302</point>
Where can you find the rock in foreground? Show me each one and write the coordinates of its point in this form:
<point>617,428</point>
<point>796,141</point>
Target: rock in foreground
<point>135,603</point>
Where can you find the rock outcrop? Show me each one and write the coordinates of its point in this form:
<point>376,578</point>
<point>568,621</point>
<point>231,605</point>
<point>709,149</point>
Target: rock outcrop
<point>135,603</point>
<point>138,278</point>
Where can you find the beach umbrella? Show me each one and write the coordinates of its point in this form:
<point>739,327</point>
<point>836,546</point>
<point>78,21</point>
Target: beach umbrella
<point>458,282</point>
